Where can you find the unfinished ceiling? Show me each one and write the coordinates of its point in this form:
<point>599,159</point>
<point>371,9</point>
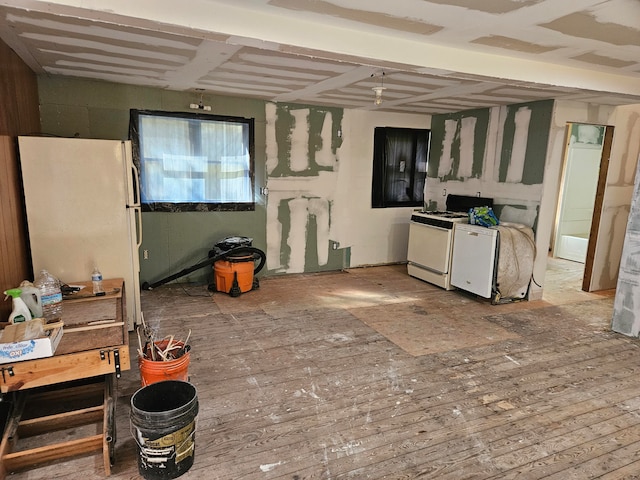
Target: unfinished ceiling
<point>437,56</point>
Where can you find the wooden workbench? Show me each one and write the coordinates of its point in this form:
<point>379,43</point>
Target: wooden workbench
<point>95,346</point>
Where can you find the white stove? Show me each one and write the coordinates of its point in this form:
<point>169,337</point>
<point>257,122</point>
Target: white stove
<point>431,245</point>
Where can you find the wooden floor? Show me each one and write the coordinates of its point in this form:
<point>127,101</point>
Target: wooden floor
<point>372,374</point>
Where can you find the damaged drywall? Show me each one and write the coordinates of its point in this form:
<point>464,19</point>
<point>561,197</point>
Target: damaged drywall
<point>458,143</point>
<point>498,152</point>
<point>302,174</point>
<point>524,142</point>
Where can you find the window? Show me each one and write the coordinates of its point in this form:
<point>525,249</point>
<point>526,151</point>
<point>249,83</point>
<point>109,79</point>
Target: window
<point>193,162</point>
<point>399,166</point>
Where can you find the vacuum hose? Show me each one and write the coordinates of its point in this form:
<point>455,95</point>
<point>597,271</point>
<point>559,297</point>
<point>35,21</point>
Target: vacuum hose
<point>243,250</point>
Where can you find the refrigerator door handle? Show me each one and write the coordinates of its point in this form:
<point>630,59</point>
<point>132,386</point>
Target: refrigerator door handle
<point>138,213</point>
<point>135,194</point>
<point>136,185</point>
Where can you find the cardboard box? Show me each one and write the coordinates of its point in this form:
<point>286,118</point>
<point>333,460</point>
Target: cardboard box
<point>31,349</point>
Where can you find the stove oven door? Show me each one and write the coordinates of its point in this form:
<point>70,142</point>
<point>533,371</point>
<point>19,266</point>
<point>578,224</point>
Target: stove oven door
<point>430,247</point>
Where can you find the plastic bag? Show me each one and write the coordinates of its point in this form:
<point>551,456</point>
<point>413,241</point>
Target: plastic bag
<point>483,216</point>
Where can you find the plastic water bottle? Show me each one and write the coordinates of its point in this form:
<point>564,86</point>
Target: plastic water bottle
<point>50,295</point>
<point>96,279</point>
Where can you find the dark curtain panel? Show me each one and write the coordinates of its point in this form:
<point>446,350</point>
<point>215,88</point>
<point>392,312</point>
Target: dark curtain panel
<point>399,166</point>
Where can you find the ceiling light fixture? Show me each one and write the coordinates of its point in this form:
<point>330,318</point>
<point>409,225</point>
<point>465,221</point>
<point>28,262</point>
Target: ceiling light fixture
<point>200,105</point>
<point>379,89</point>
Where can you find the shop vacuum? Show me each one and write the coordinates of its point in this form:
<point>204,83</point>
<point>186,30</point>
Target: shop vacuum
<point>235,264</point>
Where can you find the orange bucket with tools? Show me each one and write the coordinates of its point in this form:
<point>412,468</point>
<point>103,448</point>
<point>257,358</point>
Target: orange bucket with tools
<point>174,367</point>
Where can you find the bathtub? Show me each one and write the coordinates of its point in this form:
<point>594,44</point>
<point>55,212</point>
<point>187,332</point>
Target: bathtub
<point>573,247</point>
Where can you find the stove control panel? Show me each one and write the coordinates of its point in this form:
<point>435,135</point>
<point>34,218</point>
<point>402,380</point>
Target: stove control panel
<point>439,219</point>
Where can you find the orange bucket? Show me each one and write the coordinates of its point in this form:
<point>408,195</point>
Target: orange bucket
<point>158,371</point>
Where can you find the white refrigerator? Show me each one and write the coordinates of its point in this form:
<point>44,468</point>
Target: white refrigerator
<point>83,210</point>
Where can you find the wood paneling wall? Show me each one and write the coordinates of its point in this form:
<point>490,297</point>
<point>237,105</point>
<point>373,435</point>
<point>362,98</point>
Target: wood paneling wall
<point>19,115</point>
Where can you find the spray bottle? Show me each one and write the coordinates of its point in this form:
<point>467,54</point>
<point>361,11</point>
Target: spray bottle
<point>20,311</point>
<point>32,297</point>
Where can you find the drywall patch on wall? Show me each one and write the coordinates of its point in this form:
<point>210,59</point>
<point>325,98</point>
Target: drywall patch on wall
<point>498,152</point>
<point>302,174</point>
<point>458,142</point>
<point>467,146</point>
<point>306,139</point>
<point>307,239</point>
<point>445,164</point>
<point>271,142</point>
<point>298,226</point>
<point>519,150</point>
<point>298,231</point>
<point>299,141</point>
<point>524,142</point>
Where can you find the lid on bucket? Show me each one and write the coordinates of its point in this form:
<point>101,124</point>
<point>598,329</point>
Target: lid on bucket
<point>229,243</point>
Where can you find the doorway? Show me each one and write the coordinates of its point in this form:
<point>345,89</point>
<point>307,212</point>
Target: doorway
<point>586,160</point>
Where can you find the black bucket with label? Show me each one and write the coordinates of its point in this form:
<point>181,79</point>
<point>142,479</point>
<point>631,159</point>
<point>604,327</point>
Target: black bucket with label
<point>163,420</point>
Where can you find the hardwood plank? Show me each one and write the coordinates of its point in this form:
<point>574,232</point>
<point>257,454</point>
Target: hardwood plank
<point>20,460</point>
<point>560,464</point>
<point>37,426</point>
<point>627,457</point>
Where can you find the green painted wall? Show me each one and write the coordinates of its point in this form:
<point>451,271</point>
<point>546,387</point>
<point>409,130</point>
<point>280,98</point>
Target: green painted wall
<point>174,241</point>
<point>92,109</point>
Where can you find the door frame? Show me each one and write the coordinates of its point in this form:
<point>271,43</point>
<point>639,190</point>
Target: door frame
<point>597,208</point>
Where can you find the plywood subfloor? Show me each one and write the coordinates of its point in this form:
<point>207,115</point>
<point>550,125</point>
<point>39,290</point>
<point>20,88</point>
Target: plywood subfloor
<point>371,374</point>
<point>420,330</point>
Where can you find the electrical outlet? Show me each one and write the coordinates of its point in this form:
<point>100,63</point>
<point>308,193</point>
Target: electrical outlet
<point>145,254</point>
<point>335,245</point>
